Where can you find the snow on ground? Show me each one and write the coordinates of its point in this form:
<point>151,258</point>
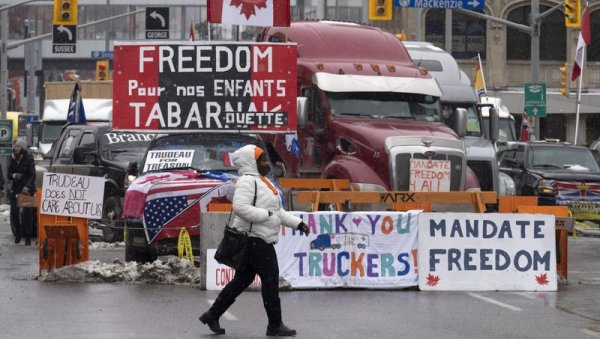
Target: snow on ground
<point>173,271</point>
<point>165,270</point>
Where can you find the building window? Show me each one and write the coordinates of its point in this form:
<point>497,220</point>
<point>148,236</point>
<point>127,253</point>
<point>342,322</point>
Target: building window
<point>468,33</point>
<point>553,35</point>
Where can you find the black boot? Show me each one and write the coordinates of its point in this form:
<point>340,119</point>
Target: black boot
<point>17,239</point>
<point>280,330</point>
<point>212,320</point>
<point>276,326</point>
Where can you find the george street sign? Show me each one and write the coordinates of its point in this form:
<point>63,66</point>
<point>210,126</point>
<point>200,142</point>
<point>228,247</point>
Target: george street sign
<point>157,22</point>
<point>465,4</point>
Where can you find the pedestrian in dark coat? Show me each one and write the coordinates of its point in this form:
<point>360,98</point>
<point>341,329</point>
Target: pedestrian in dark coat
<point>21,171</point>
<point>265,215</point>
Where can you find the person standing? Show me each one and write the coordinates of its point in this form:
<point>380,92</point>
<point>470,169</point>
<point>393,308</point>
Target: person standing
<point>21,171</point>
<point>256,204</point>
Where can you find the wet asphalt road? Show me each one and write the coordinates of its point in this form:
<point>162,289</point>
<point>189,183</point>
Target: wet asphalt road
<point>34,309</point>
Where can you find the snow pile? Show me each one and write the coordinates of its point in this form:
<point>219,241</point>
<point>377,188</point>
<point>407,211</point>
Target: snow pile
<point>97,245</point>
<point>173,271</point>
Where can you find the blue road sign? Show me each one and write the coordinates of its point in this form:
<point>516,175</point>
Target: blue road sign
<point>465,4</point>
<point>102,54</point>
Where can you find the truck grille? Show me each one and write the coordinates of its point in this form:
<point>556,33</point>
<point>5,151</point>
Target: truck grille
<point>402,172</point>
<point>483,171</point>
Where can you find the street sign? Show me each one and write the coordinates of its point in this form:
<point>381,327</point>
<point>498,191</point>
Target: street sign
<point>465,4</point>
<point>64,38</point>
<point>535,99</point>
<point>157,22</point>
<point>102,54</point>
<point>6,137</point>
<point>536,111</point>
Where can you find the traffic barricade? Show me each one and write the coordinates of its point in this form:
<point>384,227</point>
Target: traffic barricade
<point>317,185</point>
<point>62,240</point>
<point>477,199</point>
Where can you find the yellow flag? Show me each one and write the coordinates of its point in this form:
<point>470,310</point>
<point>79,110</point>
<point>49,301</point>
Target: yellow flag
<point>479,79</point>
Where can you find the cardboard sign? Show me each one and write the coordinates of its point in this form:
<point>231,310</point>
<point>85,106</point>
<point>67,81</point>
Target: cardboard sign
<point>205,86</point>
<point>430,175</point>
<point>487,252</point>
<point>157,160</point>
<point>72,195</point>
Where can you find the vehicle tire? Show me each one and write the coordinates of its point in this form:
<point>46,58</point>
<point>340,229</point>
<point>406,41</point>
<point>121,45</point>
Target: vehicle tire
<point>111,218</point>
<point>133,253</point>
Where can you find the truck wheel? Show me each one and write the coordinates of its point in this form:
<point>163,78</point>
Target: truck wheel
<point>133,253</point>
<point>111,214</point>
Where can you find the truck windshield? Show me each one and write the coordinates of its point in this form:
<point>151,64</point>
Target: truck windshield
<point>384,105</point>
<point>473,124</point>
<point>204,152</point>
<point>51,130</point>
<point>577,159</point>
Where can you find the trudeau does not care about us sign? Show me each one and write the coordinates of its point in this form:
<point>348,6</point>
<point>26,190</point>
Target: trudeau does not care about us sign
<point>205,86</point>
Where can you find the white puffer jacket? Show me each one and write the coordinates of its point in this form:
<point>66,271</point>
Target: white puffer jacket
<point>263,226</point>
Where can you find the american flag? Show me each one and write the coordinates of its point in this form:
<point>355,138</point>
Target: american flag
<point>168,201</point>
<point>569,191</point>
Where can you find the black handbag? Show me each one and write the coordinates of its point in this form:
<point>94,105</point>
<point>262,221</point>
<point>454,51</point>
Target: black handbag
<point>233,249</point>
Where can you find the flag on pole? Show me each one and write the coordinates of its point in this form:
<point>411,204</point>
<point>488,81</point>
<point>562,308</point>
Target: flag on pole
<point>76,112</point>
<point>585,38</point>
<point>192,32</point>
<point>250,12</point>
<point>479,79</point>
<point>524,128</point>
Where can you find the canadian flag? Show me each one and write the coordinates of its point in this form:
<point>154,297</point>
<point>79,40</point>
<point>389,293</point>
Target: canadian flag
<point>585,38</point>
<point>250,12</point>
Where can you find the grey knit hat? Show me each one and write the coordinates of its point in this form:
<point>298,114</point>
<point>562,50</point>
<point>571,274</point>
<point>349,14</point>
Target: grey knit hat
<point>22,143</point>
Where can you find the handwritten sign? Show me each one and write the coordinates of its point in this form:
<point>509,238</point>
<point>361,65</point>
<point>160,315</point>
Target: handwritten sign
<point>157,160</point>
<point>487,252</point>
<point>72,195</point>
<point>430,175</point>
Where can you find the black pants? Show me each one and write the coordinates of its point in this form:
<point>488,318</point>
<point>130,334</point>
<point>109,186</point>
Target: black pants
<point>262,261</point>
<point>22,218</point>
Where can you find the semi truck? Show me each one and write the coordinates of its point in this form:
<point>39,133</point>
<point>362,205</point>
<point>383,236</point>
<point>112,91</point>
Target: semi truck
<point>458,92</point>
<point>365,112</point>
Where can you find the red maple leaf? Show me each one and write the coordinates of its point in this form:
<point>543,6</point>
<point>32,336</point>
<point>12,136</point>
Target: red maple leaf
<point>432,280</point>
<point>248,6</point>
<point>542,279</point>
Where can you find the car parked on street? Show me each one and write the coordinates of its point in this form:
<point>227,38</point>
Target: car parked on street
<point>557,173</point>
<point>181,174</point>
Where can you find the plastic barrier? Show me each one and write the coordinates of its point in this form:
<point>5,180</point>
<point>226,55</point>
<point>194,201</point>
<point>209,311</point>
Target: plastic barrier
<point>510,204</point>
<point>62,240</point>
<point>315,184</point>
<point>478,199</point>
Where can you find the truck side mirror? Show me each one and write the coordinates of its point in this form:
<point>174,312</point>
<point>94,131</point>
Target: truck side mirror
<point>302,111</point>
<point>460,123</point>
<point>494,124</point>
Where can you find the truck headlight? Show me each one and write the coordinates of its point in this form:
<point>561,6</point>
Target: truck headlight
<point>545,187</point>
<point>130,179</point>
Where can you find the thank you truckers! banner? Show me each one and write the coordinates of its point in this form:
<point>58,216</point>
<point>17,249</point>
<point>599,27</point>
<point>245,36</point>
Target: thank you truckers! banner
<point>206,86</point>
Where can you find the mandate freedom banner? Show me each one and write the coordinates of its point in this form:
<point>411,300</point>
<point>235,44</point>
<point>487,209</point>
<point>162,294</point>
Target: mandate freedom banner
<point>359,249</point>
<point>205,86</point>
<point>487,252</point>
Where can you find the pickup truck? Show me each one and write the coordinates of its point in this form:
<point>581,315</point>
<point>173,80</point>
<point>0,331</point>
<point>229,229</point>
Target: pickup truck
<point>180,175</point>
<point>97,150</point>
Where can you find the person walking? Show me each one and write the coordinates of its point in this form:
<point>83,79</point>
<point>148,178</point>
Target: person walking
<point>256,204</point>
<point>21,171</point>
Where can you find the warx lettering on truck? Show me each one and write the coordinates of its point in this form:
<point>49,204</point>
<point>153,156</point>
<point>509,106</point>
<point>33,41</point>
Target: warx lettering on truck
<point>366,113</point>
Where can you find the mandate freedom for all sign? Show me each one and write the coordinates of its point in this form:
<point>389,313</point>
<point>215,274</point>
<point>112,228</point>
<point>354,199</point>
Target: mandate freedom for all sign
<point>205,86</point>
